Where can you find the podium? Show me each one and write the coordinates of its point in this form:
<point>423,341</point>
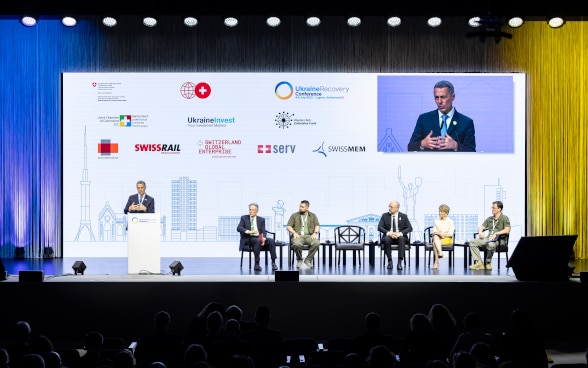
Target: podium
<point>143,249</point>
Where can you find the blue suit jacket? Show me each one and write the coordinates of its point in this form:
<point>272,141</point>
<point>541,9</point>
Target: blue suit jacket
<point>461,129</point>
<point>148,202</point>
<point>245,224</point>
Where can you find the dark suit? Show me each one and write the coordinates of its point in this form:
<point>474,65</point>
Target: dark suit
<point>244,225</point>
<point>461,129</point>
<point>148,202</point>
<point>404,227</point>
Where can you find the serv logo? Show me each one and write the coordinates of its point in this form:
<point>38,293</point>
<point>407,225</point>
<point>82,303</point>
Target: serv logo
<point>276,148</point>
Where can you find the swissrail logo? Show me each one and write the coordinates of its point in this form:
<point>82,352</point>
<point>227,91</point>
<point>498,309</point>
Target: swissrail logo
<point>107,149</point>
<point>168,149</point>
<point>276,148</point>
<point>189,90</point>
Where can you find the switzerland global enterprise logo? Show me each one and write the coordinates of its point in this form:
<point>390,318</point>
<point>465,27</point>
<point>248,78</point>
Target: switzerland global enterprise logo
<point>190,90</point>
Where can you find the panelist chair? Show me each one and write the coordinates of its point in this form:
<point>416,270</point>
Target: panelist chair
<point>502,247</point>
<point>305,247</point>
<point>395,248</point>
<point>428,237</point>
<point>248,247</point>
<point>352,238</point>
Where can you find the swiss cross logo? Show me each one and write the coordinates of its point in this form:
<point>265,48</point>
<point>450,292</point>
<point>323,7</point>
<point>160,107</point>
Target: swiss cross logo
<point>264,148</point>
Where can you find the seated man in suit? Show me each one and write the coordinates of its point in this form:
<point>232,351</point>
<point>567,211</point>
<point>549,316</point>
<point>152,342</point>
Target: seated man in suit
<point>252,229</point>
<point>140,202</point>
<point>395,227</point>
<point>443,129</point>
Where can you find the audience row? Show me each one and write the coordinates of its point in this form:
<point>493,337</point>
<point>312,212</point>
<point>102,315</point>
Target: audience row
<point>219,337</point>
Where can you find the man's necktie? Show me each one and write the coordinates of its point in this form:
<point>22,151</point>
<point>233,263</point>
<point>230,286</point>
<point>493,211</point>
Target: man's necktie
<point>444,126</point>
<point>394,226</point>
<point>140,199</point>
<point>252,226</point>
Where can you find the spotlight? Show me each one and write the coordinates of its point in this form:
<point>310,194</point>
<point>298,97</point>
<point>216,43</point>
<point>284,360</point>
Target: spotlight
<point>176,267</point>
<point>79,266</point>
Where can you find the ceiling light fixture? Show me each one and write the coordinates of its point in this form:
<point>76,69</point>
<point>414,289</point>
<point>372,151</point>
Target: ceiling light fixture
<point>489,27</point>
<point>555,22</point>
<point>69,21</point>
<point>434,21</point>
<point>474,22</point>
<point>313,21</point>
<point>231,21</point>
<point>28,21</point>
<point>149,22</point>
<point>354,21</point>
<point>394,21</point>
<point>190,22</point>
<point>273,21</point>
<point>109,21</point>
<point>515,22</point>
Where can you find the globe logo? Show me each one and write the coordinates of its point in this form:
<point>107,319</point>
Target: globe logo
<point>187,90</point>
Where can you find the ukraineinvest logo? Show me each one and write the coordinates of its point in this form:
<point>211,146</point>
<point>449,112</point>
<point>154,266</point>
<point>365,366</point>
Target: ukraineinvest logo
<point>284,90</point>
<point>107,149</point>
<point>125,121</point>
<point>190,90</point>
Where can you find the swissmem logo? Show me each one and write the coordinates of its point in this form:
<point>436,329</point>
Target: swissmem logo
<point>107,149</point>
<point>190,90</point>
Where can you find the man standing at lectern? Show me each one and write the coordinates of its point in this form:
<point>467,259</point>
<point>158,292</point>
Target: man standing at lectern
<point>140,202</point>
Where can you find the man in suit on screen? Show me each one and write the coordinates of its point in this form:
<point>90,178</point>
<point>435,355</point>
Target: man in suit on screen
<point>443,129</point>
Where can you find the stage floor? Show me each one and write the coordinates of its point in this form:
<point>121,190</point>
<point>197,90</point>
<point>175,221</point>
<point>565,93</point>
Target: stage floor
<point>228,269</point>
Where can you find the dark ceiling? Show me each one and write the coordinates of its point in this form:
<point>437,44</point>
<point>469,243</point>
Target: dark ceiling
<point>566,8</point>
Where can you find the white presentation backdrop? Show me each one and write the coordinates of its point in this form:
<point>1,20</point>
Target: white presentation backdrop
<point>208,144</point>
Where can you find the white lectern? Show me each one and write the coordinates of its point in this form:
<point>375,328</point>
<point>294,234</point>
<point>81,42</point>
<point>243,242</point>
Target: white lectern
<point>143,243</point>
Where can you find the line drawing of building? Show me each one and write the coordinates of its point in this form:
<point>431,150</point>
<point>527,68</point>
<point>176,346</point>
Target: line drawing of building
<point>85,223</point>
<point>184,207</point>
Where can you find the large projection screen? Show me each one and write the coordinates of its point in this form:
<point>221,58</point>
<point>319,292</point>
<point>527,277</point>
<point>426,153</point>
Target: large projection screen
<point>208,144</point>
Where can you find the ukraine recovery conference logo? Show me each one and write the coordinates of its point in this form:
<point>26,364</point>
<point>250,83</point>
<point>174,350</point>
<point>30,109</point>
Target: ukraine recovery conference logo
<point>284,90</point>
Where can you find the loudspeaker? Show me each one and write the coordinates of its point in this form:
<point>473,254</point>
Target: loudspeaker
<point>30,276</point>
<point>543,258</point>
<point>79,267</point>
<point>176,267</point>
<point>287,276</point>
